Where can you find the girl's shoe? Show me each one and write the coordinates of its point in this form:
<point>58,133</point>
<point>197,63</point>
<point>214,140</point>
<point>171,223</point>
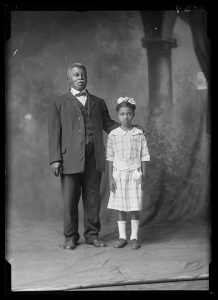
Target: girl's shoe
<point>120,243</point>
<point>135,244</point>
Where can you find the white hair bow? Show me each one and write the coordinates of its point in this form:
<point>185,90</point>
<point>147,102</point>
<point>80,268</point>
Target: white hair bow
<point>127,99</point>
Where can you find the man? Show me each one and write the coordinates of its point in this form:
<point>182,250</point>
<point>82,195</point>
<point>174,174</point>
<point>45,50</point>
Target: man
<point>76,153</point>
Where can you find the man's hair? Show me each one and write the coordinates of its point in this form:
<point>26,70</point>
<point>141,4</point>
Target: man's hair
<point>126,104</point>
<point>75,65</point>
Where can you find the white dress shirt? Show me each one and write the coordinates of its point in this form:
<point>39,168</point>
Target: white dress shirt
<point>82,99</point>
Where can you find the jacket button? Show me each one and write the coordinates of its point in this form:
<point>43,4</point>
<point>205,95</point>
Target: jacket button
<point>79,130</point>
<point>79,118</point>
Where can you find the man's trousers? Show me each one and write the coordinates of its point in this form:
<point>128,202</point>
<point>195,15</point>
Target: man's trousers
<point>87,183</point>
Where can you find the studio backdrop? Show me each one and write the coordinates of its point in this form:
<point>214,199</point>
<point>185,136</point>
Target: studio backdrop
<point>41,47</point>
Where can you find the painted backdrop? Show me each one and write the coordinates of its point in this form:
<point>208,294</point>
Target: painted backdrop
<point>41,47</point>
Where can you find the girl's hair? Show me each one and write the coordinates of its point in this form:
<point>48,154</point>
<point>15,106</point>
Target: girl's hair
<point>126,104</point>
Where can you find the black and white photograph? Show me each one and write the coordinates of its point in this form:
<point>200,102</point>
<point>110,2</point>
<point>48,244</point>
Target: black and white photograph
<point>108,138</point>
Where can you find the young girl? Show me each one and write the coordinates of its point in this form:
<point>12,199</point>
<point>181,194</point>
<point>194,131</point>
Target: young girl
<point>127,153</point>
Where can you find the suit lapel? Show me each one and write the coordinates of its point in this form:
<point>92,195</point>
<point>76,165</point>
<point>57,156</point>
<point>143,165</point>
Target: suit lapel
<point>91,102</point>
<point>73,100</point>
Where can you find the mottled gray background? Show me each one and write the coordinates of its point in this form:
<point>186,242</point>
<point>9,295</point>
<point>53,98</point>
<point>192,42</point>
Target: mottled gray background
<point>41,47</point>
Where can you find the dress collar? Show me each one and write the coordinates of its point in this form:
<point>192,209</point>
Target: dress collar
<point>119,131</point>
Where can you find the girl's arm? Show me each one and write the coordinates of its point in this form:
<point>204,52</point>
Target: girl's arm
<point>110,158</point>
<point>145,156</point>
<point>143,163</point>
<point>112,182</point>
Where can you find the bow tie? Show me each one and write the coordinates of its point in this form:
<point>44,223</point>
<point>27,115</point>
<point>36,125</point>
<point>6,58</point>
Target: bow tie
<point>83,93</point>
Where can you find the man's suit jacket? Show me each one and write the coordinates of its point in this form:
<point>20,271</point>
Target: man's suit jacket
<point>67,132</point>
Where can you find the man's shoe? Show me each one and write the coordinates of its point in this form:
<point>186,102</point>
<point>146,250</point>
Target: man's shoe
<point>69,245</point>
<point>135,244</point>
<point>120,243</point>
<point>97,243</point>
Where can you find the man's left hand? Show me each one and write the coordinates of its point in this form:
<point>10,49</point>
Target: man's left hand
<point>141,128</point>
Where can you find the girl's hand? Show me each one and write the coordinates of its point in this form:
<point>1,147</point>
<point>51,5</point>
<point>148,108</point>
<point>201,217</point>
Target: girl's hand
<point>112,185</point>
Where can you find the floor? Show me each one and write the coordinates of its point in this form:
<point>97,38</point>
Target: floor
<point>173,256</point>
<point>198,285</point>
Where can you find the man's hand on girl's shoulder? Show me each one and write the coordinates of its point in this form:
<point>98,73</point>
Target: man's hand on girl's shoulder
<point>141,128</point>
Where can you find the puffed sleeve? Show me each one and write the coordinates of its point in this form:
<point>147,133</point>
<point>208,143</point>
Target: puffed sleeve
<point>145,156</point>
<point>110,150</point>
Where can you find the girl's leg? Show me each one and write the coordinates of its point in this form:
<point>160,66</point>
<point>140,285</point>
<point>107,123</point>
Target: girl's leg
<point>134,229</point>
<point>121,216</point>
<point>135,215</point>
<point>122,224</point>
<point>122,230</point>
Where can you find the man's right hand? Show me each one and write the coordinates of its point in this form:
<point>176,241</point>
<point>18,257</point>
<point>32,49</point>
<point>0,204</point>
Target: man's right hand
<point>56,168</point>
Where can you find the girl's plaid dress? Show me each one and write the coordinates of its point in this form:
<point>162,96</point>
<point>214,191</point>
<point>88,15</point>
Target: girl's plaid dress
<point>127,149</point>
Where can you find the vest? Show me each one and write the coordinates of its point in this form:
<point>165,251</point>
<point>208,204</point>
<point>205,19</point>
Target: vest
<point>87,121</point>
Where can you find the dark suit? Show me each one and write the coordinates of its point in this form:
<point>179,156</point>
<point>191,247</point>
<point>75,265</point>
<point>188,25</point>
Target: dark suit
<point>82,163</point>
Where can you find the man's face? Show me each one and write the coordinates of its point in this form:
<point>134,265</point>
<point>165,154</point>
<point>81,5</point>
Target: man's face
<point>78,78</point>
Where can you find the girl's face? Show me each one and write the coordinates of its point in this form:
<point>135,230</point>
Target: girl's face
<point>125,116</point>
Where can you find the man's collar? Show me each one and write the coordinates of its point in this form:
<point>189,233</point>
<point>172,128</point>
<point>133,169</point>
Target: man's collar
<point>74,92</point>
